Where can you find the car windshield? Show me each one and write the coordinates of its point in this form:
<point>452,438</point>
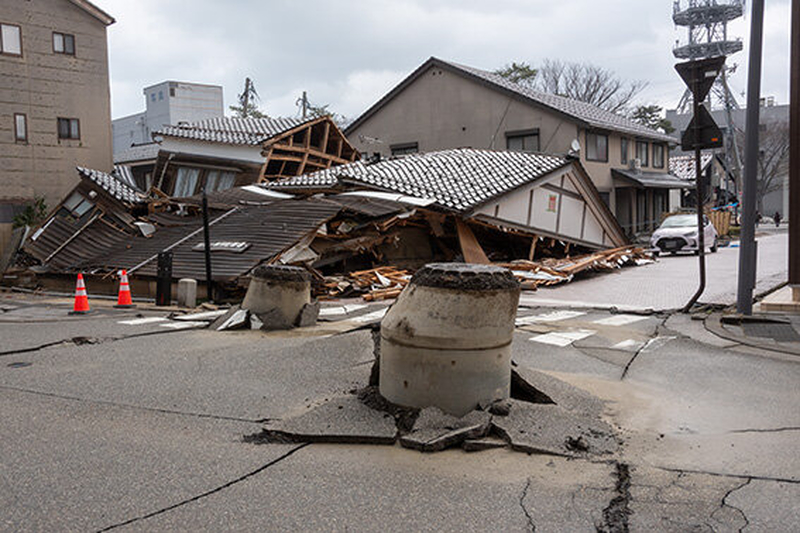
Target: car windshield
<point>680,221</point>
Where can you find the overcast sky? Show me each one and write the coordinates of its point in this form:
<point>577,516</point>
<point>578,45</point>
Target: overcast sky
<point>349,53</point>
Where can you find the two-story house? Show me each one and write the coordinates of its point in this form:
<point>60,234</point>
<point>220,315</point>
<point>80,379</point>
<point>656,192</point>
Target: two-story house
<point>445,105</point>
<point>55,111</point>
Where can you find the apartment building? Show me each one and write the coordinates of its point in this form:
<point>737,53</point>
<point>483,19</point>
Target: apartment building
<point>54,100</point>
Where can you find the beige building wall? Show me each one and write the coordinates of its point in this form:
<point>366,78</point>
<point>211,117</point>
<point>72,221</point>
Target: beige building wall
<point>442,110</point>
<point>44,86</point>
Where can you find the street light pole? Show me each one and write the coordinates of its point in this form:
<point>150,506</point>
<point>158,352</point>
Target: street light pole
<point>747,238</point>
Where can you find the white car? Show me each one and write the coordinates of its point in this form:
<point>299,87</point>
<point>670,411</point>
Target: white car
<point>678,233</point>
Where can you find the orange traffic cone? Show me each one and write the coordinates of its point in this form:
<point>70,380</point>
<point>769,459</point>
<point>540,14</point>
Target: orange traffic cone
<point>124,300</point>
<point>81,306</point>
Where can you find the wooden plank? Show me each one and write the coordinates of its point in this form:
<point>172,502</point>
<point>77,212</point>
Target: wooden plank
<point>470,247</point>
<point>324,146</point>
<point>532,251</point>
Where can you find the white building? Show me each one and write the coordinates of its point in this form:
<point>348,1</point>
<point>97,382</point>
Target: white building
<point>167,103</point>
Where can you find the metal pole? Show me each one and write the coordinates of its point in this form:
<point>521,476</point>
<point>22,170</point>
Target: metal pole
<point>207,247</point>
<point>701,237</point>
<point>747,244</point>
<point>794,157</point>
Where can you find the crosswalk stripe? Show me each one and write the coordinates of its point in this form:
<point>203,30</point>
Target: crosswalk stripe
<point>563,338</point>
<point>140,321</point>
<point>554,316</point>
<point>620,320</point>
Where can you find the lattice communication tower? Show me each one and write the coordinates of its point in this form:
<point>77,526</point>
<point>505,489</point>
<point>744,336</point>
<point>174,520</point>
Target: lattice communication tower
<point>707,25</point>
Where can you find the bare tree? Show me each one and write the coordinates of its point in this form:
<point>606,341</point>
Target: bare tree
<point>580,81</point>
<point>773,159</point>
<point>588,83</point>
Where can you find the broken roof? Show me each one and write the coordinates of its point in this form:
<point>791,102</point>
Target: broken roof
<point>232,130</point>
<point>138,153</point>
<point>582,112</point>
<point>113,185</point>
<point>460,179</point>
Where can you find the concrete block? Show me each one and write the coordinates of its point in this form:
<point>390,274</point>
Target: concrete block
<point>446,342</point>
<point>308,315</point>
<point>271,320</point>
<point>187,293</point>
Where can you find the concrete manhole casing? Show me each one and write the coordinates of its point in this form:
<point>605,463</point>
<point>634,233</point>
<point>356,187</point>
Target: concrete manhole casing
<point>446,342</point>
<point>281,290</point>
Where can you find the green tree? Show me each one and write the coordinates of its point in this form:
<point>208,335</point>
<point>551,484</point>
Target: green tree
<point>247,107</point>
<point>33,214</point>
<point>651,116</point>
<point>521,73</point>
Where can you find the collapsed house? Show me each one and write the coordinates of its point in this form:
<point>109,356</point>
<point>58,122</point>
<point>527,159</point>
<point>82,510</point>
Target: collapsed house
<point>341,223</point>
<point>220,153</point>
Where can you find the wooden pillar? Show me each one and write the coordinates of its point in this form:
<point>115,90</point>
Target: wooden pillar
<point>794,156</point>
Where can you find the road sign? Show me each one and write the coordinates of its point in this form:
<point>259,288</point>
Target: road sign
<point>699,75</point>
<point>702,132</point>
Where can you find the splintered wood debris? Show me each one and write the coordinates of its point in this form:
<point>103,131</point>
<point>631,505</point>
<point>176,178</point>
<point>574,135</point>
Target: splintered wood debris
<point>388,282</point>
<point>553,271</point>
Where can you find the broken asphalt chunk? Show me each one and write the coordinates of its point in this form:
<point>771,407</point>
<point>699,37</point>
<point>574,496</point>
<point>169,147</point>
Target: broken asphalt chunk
<point>235,318</point>
<point>435,430</point>
<point>308,315</point>
<point>551,429</point>
<point>342,420</point>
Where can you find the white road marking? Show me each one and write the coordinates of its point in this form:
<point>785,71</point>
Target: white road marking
<point>554,316</point>
<point>208,315</point>
<point>620,320</point>
<point>369,317</point>
<point>140,321</point>
<point>627,345</point>
<point>341,310</point>
<point>183,325</point>
<point>563,338</point>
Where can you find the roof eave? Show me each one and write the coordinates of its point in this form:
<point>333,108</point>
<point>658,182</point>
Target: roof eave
<point>95,11</point>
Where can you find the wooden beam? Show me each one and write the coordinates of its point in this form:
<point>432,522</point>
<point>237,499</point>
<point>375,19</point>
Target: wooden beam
<point>325,134</point>
<point>532,251</point>
<point>470,247</point>
<point>339,149</point>
<point>310,151</point>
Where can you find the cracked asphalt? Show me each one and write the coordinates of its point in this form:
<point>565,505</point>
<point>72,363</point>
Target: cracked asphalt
<point>141,427</point>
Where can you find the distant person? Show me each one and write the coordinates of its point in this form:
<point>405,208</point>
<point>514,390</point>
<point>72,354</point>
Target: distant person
<point>758,218</point>
<point>777,218</point>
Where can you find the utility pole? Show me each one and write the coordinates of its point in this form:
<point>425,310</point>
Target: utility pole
<point>304,103</point>
<point>794,157</point>
<point>748,248</point>
<point>246,94</point>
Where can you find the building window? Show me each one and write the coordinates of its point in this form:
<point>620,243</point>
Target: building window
<point>641,153</point>
<point>20,128</point>
<point>623,150</point>
<point>596,147</point>
<point>63,43</point>
<point>219,180</point>
<point>404,148</point>
<point>658,155</point>
<point>69,128</point>
<point>77,205</point>
<point>10,39</point>
<point>160,95</point>
<point>522,141</point>
<point>186,181</point>
<point>153,97</point>
<point>172,91</point>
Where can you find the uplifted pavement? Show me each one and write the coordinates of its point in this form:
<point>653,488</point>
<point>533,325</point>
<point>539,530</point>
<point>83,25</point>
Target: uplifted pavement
<point>147,432</point>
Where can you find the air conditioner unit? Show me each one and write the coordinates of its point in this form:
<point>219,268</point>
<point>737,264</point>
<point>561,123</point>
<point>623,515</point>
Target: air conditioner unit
<point>635,164</point>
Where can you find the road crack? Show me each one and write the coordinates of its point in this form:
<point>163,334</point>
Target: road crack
<point>207,493</point>
<point>724,504</point>
<point>615,515</point>
<point>531,524</point>
<point>129,406</point>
